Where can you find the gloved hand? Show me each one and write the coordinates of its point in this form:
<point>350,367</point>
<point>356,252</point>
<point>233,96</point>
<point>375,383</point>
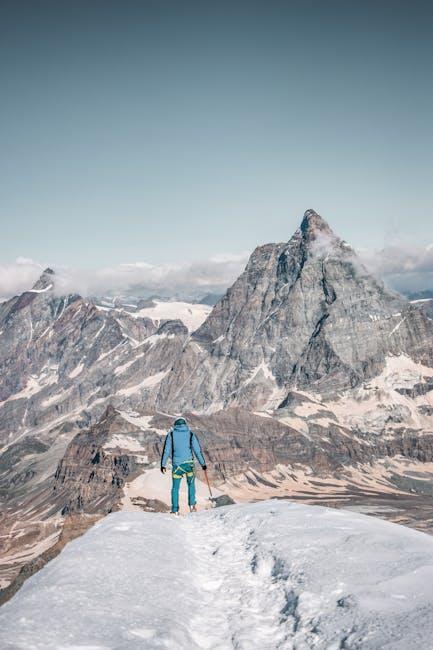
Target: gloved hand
<point>204,467</point>
<point>163,470</point>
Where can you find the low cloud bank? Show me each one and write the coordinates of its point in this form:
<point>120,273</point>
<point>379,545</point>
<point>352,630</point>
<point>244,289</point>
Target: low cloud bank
<point>18,276</point>
<point>138,278</point>
<point>404,268</point>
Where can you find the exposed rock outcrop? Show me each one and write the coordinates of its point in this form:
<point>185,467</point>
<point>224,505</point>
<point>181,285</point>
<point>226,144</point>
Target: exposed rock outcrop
<point>91,474</point>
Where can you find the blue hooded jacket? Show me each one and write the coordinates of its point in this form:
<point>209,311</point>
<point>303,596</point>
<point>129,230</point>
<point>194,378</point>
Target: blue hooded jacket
<point>180,444</point>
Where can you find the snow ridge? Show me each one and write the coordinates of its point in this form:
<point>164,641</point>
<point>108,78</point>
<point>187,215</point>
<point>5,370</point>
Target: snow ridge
<point>270,575</point>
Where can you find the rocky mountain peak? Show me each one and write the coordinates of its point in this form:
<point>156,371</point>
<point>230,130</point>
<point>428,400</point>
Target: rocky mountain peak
<point>111,418</point>
<point>45,280</point>
<point>312,221</point>
<point>303,314</point>
<point>316,231</point>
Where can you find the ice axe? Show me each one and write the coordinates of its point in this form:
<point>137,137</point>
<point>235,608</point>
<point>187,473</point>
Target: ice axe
<point>223,500</point>
<point>211,498</point>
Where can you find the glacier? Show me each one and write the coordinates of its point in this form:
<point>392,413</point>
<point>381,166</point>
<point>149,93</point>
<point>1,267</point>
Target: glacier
<point>273,574</point>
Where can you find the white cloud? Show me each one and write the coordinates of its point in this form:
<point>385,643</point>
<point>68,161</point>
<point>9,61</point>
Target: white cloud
<point>323,243</point>
<point>193,279</point>
<point>18,276</point>
<point>403,267</point>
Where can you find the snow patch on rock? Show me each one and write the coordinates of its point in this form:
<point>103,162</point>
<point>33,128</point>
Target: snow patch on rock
<point>142,422</point>
<point>76,371</point>
<point>123,442</point>
<point>148,382</point>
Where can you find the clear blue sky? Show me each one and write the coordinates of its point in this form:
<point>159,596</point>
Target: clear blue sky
<point>167,130</point>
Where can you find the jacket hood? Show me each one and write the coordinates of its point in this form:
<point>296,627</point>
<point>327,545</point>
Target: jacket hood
<point>180,427</point>
<point>179,420</point>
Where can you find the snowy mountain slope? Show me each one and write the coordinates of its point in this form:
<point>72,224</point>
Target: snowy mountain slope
<point>268,575</point>
<point>191,315</point>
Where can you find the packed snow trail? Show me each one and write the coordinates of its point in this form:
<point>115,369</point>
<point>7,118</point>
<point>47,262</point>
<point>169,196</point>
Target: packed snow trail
<point>266,575</point>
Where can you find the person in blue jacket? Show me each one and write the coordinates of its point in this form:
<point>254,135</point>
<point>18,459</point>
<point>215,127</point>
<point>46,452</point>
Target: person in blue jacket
<point>181,444</point>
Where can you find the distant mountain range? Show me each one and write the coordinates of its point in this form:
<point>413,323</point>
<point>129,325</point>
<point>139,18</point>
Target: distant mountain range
<point>307,376</point>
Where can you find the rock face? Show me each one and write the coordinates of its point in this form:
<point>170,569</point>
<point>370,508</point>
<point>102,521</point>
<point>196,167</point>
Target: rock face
<point>426,305</point>
<point>90,476</point>
<point>304,315</point>
<point>63,358</point>
<point>98,463</point>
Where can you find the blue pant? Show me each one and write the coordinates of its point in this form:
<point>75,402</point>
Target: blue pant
<point>185,469</point>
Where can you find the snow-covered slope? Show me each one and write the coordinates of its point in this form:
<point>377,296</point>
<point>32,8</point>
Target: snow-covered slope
<point>266,575</point>
<point>192,315</point>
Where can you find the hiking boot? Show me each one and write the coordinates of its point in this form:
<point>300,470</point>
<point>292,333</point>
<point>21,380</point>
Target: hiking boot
<point>176,514</point>
<point>193,508</point>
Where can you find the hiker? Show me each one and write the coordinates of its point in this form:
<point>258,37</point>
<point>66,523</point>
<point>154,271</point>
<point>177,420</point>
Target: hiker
<point>181,444</point>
